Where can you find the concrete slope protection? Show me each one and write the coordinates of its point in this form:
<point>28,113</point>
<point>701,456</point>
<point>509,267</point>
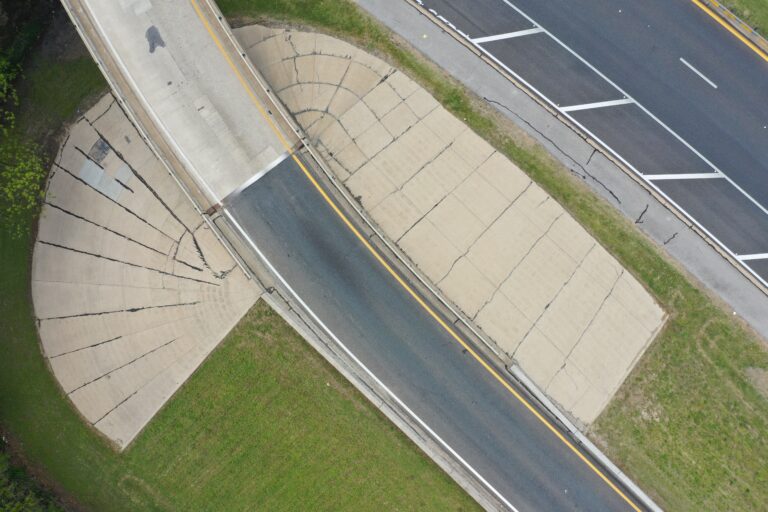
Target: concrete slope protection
<point>671,93</point>
<point>132,290</point>
<point>389,333</point>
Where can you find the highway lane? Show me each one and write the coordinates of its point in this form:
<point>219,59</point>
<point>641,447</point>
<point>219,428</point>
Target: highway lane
<point>364,306</point>
<point>638,45</point>
<point>674,60</point>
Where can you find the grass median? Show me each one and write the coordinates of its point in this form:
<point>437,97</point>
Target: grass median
<point>264,424</point>
<point>690,424</point>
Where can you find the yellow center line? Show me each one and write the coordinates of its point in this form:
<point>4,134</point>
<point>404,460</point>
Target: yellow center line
<point>397,277</point>
<point>731,29</point>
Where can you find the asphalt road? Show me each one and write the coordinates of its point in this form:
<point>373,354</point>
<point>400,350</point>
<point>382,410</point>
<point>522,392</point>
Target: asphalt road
<point>361,303</point>
<point>668,56</point>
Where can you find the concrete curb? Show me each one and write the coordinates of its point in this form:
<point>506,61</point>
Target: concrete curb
<point>737,23</point>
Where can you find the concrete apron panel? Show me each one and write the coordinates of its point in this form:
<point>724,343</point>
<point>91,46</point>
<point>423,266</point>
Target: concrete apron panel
<point>494,243</point>
<point>131,289</point>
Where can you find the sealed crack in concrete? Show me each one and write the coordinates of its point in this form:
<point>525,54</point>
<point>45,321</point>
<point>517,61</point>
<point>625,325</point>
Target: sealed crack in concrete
<point>162,272</point>
<point>86,347</point>
<point>89,157</point>
<point>557,294</point>
<point>586,328</point>
<point>142,180</point>
<point>116,233</point>
<point>485,230</point>
<point>85,183</point>
<point>145,354</point>
<point>128,310</point>
<point>512,271</point>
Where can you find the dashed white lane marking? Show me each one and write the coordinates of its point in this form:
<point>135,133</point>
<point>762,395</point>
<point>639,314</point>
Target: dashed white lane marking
<point>599,104</point>
<point>508,35</point>
<point>689,176</point>
<point>758,256</point>
<point>701,75</point>
<point>360,364</point>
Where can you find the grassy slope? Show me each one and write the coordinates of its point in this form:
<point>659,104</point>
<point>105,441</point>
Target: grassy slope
<point>264,424</point>
<point>688,424</point>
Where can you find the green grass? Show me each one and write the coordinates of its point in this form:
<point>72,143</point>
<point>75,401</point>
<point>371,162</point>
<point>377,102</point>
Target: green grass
<point>265,423</point>
<point>688,424</point>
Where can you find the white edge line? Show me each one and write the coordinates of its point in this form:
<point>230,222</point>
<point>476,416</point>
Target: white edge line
<point>683,176</point>
<point>701,75</point>
<point>508,35</point>
<point>750,257</point>
<point>352,356</point>
<point>598,104</point>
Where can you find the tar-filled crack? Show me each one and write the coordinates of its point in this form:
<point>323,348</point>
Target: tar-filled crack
<point>109,107</point>
<point>557,294</point>
<point>113,370</point>
<point>674,235</point>
<point>512,271</point>
<point>86,347</point>
<point>218,275</point>
<point>141,179</point>
<point>89,158</point>
<point>80,217</point>
<point>485,229</point>
<point>156,195</point>
<point>640,219</point>
<point>584,172</point>
<point>116,311</point>
<point>128,210</point>
<point>162,272</point>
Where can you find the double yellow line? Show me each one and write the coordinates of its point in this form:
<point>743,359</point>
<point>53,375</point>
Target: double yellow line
<point>429,310</point>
